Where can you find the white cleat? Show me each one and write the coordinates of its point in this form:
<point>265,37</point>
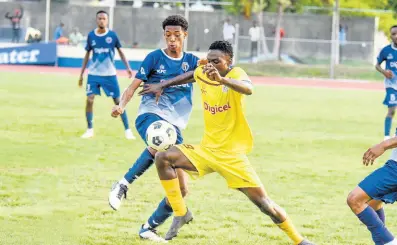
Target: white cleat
<point>151,234</point>
<point>387,137</point>
<point>116,195</point>
<point>129,135</point>
<point>88,134</point>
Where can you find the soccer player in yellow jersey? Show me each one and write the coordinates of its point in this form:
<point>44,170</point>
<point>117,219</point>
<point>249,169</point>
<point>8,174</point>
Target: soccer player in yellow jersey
<point>227,140</point>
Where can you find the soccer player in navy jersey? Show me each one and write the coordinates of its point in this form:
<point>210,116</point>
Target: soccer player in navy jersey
<point>174,106</point>
<point>389,55</point>
<point>102,71</point>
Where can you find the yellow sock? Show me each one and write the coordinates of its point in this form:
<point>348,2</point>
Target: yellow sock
<point>291,231</point>
<point>174,195</point>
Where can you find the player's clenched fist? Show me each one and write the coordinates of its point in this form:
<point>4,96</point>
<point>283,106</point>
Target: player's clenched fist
<point>117,110</point>
<point>388,74</point>
<point>80,81</point>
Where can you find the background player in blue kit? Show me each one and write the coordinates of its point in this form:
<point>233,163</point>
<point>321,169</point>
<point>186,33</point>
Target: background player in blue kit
<point>174,106</point>
<point>377,188</point>
<point>102,72</point>
<point>389,54</point>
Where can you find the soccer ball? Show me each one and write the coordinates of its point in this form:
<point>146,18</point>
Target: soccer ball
<point>161,135</point>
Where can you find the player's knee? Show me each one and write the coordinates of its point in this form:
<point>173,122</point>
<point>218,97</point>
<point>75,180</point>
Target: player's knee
<point>353,201</point>
<point>391,112</point>
<point>162,160</point>
<point>90,99</point>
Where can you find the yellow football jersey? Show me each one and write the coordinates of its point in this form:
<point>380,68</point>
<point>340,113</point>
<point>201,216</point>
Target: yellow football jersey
<point>226,127</point>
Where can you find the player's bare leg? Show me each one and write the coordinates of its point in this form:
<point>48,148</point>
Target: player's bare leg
<point>388,121</point>
<point>167,163</point>
<point>259,197</point>
<point>128,133</point>
<point>89,115</point>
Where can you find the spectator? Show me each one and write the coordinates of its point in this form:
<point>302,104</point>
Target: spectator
<point>75,37</point>
<point>32,35</point>
<point>255,34</point>
<point>58,32</point>
<point>15,23</point>
<point>135,45</point>
<point>228,31</point>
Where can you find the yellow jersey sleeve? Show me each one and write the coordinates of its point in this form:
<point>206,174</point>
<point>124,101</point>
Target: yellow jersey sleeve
<point>238,74</point>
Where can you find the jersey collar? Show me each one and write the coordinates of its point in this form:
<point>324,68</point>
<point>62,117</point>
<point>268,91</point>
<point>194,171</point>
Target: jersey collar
<point>171,58</point>
<point>101,35</point>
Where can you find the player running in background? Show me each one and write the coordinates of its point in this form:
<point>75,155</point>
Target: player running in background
<point>102,71</point>
<point>174,106</point>
<point>377,188</point>
<point>227,139</point>
<point>389,54</point>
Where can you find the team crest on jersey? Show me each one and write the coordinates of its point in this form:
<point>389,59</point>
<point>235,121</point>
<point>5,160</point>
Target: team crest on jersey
<point>93,43</point>
<point>390,57</point>
<point>109,40</point>
<point>185,66</point>
<point>225,89</point>
<point>161,70</point>
<point>143,71</point>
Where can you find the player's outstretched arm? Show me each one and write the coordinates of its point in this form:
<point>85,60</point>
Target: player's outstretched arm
<point>377,150</point>
<point>157,89</point>
<point>240,86</point>
<point>126,97</point>
<point>125,61</point>
<point>85,62</point>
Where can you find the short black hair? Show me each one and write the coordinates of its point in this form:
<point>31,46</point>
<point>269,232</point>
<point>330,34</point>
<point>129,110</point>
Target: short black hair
<point>102,12</point>
<point>394,26</point>
<point>176,20</point>
<point>224,46</point>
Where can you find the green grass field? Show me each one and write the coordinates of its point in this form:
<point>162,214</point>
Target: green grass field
<point>54,185</point>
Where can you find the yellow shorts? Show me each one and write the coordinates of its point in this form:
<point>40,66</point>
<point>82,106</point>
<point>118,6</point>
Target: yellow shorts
<point>235,168</point>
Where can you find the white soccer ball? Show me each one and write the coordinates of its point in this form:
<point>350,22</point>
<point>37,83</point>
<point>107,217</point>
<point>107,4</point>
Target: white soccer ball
<point>161,135</point>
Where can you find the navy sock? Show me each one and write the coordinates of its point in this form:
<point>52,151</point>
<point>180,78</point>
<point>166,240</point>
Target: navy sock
<point>161,214</point>
<point>388,122</point>
<point>380,234</point>
<point>142,164</point>
<point>381,215</point>
<point>124,118</point>
<point>89,116</point>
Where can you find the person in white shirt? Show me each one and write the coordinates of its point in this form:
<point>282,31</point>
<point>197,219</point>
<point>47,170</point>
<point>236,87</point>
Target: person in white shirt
<point>75,37</point>
<point>254,33</point>
<point>228,31</point>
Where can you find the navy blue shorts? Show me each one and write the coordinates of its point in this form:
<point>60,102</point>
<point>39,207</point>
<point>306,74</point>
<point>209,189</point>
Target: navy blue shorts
<point>143,121</point>
<point>390,98</point>
<point>109,84</point>
<point>382,183</point>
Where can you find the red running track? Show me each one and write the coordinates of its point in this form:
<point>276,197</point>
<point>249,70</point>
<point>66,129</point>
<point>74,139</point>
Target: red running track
<point>271,81</point>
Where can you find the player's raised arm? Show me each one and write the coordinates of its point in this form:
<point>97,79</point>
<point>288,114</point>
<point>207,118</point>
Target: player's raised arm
<point>377,150</point>
<point>243,86</point>
<point>126,97</point>
<point>157,89</point>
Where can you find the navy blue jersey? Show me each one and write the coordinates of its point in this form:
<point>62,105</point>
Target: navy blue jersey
<point>175,104</point>
<point>102,46</point>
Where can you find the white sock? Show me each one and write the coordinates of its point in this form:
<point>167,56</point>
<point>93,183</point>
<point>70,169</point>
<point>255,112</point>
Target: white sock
<point>394,242</point>
<point>146,225</point>
<point>123,181</point>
